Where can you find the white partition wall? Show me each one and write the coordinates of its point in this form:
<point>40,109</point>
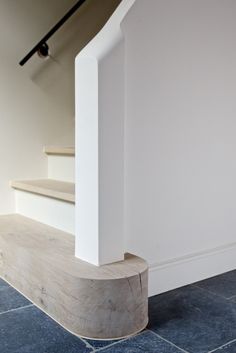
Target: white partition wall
<point>179,146</point>
<point>180,138</point>
<point>100,113</point>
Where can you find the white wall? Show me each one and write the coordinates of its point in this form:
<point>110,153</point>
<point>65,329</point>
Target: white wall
<point>37,101</point>
<point>181,138</point>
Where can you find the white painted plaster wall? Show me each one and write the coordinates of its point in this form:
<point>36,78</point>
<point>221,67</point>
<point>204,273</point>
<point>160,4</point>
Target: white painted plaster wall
<point>37,101</point>
<point>179,139</point>
<point>180,135</point>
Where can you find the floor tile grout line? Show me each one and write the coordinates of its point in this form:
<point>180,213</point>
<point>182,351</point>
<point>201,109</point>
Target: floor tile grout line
<point>119,341</point>
<point>167,341</point>
<point>88,345</point>
<point>110,345</point>
<point>20,308</point>
<point>209,291</point>
<point>224,345</point>
<point>230,298</point>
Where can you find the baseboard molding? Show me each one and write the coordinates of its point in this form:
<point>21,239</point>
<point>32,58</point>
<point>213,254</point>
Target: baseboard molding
<point>168,275</point>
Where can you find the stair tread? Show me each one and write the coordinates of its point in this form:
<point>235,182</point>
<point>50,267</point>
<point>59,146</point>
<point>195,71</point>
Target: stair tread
<point>56,189</point>
<point>56,248</point>
<point>59,150</point>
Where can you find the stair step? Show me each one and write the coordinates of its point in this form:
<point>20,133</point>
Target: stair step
<point>55,150</point>
<point>39,262</point>
<point>55,189</point>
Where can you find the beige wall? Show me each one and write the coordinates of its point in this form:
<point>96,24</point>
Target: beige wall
<point>180,138</point>
<point>37,101</point>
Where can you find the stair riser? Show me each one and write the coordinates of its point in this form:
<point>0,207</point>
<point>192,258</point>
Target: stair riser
<point>55,213</point>
<point>61,168</point>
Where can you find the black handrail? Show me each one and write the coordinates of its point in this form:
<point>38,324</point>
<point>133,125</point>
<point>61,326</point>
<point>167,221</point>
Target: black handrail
<point>42,43</point>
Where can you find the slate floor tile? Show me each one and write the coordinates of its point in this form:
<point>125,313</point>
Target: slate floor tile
<point>3,284</point>
<point>223,285</point>
<point>193,319</point>
<point>10,298</point>
<point>146,342</point>
<point>229,348</point>
<point>31,331</point>
<point>233,299</point>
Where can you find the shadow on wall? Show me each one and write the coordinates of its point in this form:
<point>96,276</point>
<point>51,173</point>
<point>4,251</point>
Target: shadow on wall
<point>55,75</point>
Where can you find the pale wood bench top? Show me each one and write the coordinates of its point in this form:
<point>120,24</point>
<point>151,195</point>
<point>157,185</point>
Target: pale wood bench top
<point>106,302</point>
<point>56,248</point>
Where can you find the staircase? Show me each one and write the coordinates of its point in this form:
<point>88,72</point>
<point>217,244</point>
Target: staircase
<point>84,282</point>
<point>45,200</point>
<point>37,257</point>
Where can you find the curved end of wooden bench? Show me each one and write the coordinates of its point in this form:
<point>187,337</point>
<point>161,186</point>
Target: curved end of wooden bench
<point>108,302</point>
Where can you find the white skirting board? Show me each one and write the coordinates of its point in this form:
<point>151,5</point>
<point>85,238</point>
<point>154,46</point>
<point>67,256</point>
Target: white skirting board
<point>175,273</point>
<point>55,213</point>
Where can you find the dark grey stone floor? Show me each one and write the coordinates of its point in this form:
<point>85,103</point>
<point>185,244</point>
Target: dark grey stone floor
<point>200,318</point>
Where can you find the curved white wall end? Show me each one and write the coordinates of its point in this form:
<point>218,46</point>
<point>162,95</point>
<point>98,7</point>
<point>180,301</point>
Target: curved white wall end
<point>100,111</point>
